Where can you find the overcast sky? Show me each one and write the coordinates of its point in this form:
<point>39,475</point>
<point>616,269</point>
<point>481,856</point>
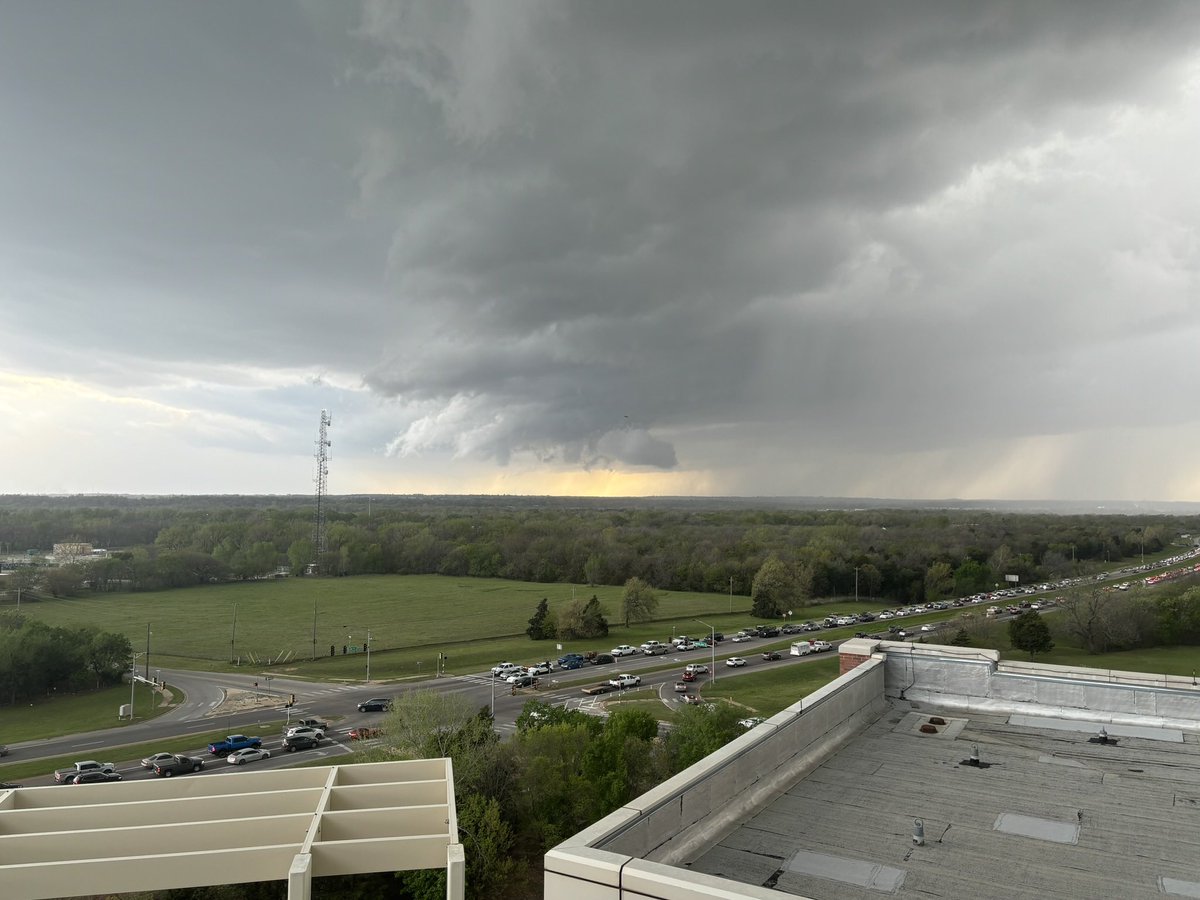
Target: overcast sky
<point>889,249</point>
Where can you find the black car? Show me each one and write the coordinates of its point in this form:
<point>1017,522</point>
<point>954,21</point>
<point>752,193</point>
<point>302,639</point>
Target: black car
<point>601,659</point>
<point>95,777</point>
<point>300,742</point>
<point>772,655</point>
<point>375,704</point>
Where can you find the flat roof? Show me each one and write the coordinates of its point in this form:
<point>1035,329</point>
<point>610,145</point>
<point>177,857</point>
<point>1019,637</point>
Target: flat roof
<point>1048,814</point>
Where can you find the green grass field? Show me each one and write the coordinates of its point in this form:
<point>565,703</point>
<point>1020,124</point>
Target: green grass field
<point>475,622</point>
<point>74,713</point>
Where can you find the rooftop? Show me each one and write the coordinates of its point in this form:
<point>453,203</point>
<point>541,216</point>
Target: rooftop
<point>1047,814</point>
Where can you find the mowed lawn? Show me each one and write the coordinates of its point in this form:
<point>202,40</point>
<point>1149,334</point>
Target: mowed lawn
<point>473,621</point>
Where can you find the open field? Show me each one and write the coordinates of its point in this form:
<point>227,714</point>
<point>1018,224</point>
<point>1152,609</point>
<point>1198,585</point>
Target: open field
<point>1162,660</point>
<point>74,713</point>
<point>412,619</point>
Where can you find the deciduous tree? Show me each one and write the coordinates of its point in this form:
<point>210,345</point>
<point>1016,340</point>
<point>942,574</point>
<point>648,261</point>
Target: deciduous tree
<point>639,602</point>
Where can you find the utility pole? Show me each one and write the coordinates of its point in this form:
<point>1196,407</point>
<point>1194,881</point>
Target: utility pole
<point>233,639</point>
<point>856,568</point>
<point>147,651</point>
<point>314,639</point>
<point>730,593</point>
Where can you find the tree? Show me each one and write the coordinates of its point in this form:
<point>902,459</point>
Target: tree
<point>699,731</point>
<point>1029,632</point>
<point>540,626</point>
<point>425,724</point>
<point>582,620</point>
<point>939,579</point>
<point>107,655</point>
<point>639,602</point>
<point>774,590</point>
<point>1104,620</point>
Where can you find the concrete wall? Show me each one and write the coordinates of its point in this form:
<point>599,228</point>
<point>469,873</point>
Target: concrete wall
<point>634,849</point>
<point>976,680</point>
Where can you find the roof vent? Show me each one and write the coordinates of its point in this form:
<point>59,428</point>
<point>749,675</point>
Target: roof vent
<point>1103,738</point>
<point>973,760</point>
<point>918,833</point>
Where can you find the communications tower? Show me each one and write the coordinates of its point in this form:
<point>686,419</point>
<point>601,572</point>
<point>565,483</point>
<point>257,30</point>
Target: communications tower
<point>322,475</point>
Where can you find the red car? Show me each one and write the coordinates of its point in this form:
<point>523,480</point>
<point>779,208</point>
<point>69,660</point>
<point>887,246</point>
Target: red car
<point>689,676</point>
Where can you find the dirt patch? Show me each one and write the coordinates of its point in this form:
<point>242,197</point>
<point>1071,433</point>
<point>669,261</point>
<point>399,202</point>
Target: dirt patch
<point>243,701</point>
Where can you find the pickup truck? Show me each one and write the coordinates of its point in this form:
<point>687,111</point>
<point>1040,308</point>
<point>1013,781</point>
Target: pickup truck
<point>312,723</point>
<point>232,744</point>
<point>625,681</point>
<point>178,765</point>
<point>64,776</point>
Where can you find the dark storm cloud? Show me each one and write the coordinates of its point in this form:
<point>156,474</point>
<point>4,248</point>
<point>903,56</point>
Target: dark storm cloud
<point>659,203</point>
<point>766,243</point>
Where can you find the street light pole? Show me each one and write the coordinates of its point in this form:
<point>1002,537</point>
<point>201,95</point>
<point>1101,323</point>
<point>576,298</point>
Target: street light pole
<point>730,595</point>
<point>856,568</point>
<point>712,646</point>
<point>368,656</point>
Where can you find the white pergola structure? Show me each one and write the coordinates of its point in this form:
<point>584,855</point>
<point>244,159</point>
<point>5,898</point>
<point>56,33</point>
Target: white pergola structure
<point>292,824</point>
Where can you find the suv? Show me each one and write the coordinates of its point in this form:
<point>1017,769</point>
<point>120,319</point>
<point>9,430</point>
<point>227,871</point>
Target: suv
<point>506,670</point>
<point>375,704</point>
<point>306,741</point>
<point>696,668</point>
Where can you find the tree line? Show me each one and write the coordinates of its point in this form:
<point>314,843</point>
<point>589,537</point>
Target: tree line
<point>37,660</point>
<point>902,555</point>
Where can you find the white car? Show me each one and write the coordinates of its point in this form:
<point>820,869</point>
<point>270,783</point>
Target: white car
<point>247,754</point>
<point>696,668</point>
<point>623,650</point>
<point>507,670</point>
<point>735,662</point>
<point>625,681</point>
<point>739,637</point>
<point>542,668</point>
<point>821,646</point>
<point>497,669</point>
<point>929,628</point>
<point>305,730</point>
<point>150,761</point>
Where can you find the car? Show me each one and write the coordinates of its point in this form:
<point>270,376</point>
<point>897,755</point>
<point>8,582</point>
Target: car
<point>692,698</point>
<point>656,649</point>
<point>689,676</point>
<point>701,644</point>
<point>305,731</point>
<point>362,733</point>
<point>3,750</point>
<point>929,628</point>
<point>375,704</point>
<point>740,637</point>
<point>681,687</point>
<point>697,668</point>
<point>307,741</point>
<point>621,682</point>
<point>505,670</point>
<point>772,655</point>
<point>571,662</point>
<point>155,758</point>
<point>791,628</point>
<point>522,680</point>
<point>542,668</point>
<point>735,662</point>
<point>8,785</point>
<point>95,776</point>
<point>603,659</point>
<point>821,646</point>
<point>752,722</point>
<point>499,667</point>
<point>623,650</point>
<point>247,754</point>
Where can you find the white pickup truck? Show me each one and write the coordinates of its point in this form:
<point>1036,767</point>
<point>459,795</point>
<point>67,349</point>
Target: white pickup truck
<point>87,765</point>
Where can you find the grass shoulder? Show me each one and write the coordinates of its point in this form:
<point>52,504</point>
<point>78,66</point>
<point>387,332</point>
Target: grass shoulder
<point>75,713</point>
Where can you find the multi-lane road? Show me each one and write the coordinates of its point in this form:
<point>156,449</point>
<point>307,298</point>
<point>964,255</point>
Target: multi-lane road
<point>206,709</point>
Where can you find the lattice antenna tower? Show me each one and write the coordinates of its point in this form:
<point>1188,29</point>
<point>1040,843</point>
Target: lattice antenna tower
<point>323,445</point>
